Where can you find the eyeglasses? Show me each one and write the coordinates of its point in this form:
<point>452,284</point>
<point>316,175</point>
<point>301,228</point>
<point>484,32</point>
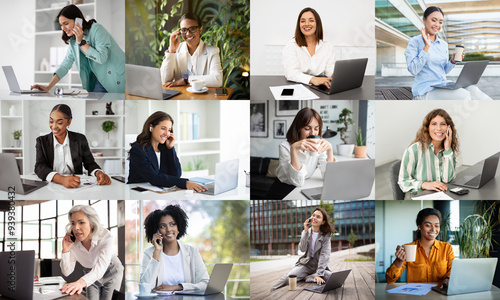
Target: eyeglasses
<point>190,29</point>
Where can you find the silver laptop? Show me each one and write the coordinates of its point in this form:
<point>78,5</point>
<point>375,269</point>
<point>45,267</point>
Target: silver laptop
<point>470,75</point>
<point>218,279</point>
<point>10,178</point>
<point>347,75</point>
<point>226,177</point>
<point>335,281</point>
<point>470,275</point>
<point>479,174</point>
<point>146,82</point>
<point>345,180</point>
<point>14,84</point>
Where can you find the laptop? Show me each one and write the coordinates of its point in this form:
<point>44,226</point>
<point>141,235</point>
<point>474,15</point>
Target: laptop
<point>345,180</point>
<point>479,174</point>
<point>20,284</point>
<point>470,275</point>
<point>347,75</point>
<point>10,178</point>
<point>335,281</point>
<point>218,279</point>
<point>226,177</point>
<point>14,84</point>
<point>146,82</point>
<point>470,75</point>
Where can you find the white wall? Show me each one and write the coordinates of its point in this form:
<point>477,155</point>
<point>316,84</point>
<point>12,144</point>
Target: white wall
<point>349,25</point>
<point>476,123</point>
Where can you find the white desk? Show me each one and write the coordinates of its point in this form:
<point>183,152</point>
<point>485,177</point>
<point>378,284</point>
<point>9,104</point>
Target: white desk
<point>381,294</point>
<point>8,95</point>
<point>239,193</point>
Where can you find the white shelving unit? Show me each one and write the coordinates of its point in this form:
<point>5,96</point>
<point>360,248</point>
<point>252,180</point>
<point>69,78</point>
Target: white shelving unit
<point>8,124</point>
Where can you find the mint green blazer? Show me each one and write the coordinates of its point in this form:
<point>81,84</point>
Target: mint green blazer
<point>104,61</point>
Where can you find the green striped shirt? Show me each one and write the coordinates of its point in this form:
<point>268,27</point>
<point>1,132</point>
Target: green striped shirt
<point>419,166</point>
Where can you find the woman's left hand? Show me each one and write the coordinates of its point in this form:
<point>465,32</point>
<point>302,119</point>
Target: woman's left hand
<point>73,287</point>
<point>166,287</point>
<point>453,57</point>
<point>178,82</point>
<point>448,138</point>
<point>319,280</point>
<point>323,145</point>
<point>170,141</point>
<point>102,178</point>
<point>78,32</point>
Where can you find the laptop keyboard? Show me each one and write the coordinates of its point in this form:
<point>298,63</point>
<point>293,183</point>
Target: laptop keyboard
<point>316,287</point>
<point>474,181</point>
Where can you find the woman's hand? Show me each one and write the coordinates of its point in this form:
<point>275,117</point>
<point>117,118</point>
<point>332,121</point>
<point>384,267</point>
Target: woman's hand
<point>400,256</point>
<point>40,87</point>
<point>70,181</point>
<point>178,82</point>
<point>67,243</point>
<point>166,287</point>
<point>321,80</point>
<point>174,41</point>
<point>157,236</point>
<point>453,57</point>
<point>309,145</point>
<point>448,137</point>
<point>437,186</point>
<point>73,287</point>
<point>78,32</point>
<point>324,145</point>
<point>102,178</point>
<point>170,141</point>
<point>427,40</point>
<point>196,187</point>
<point>307,223</point>
<point>319,280</point>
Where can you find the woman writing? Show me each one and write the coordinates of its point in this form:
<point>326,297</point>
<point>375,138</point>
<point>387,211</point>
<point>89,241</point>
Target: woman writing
<point>430,160</point>
<point>99,60</point>
<point>153,158</point>
<point>315,242</point>
<point>299,155</point>
<point>427,60</point>
<point>307,58</point>
<point>191,59</point>
<point>61,153</point>
<point>169,265</point>
<point>93,248</point>
<point>433,258</point>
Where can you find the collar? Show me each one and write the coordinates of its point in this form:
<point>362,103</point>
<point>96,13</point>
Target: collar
<point>431,148</point>
<point>199,50</point>
<point>436,244</point>
<point>66,140</point>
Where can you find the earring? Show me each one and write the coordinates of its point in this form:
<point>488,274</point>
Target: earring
<point>150,129</point>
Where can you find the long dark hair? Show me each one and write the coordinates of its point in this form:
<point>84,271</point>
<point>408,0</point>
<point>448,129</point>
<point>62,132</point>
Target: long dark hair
<point>299,36</point>
<point>72,12</point>
<point>301,120</point>
<point>144,138</point>
<point>326,228</point>
<point>424,213</point>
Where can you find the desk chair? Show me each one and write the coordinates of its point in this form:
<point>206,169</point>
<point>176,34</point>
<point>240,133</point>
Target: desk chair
<point>397,193</point>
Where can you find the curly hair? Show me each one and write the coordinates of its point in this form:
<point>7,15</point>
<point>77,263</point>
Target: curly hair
<point>152,221</point>
<point>423,136</point>
<point>326,228</point>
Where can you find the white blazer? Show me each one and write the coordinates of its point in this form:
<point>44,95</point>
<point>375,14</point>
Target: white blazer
<point>208,66</point>
<point>195,272</point>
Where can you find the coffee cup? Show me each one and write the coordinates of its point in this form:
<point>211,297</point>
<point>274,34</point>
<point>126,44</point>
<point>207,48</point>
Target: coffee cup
<point>197,84</point>
<point>292,282</point>
<point>316,138</point>
<point>411,252</point>
<point>145,288</point>
<point>459,51</point>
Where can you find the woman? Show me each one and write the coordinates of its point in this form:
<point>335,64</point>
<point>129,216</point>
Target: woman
<point>99,59</point>
<point>61,153</point>
<point>315,242</point>
<point>191,59</point>
<point>307,58</point>
<point>427,60</point>
<point>153,158</point>
<point>94,249</point>
<point>299,156</point>
<point>433,258</point>
<point>169,265</point>
<point>430,160</point>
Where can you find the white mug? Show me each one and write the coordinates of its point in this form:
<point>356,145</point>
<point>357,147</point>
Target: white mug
<point>411,252</point>
<point>197,84</point>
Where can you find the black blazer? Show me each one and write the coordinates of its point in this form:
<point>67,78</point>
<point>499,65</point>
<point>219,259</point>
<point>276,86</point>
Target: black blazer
<point>144,166</point>
<point>80,154</point>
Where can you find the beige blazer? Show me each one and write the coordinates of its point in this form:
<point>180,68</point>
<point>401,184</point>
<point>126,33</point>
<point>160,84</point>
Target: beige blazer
<point>322,250</point>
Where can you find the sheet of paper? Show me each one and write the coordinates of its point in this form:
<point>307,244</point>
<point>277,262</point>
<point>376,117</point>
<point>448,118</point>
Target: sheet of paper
<point>434,196</point>
<point>153,188</point>
<point>417,289</point>
<point>300,92</point>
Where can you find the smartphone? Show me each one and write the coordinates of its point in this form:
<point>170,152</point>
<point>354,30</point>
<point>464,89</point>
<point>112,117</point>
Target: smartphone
<point>287,92</point>
<point>459,191</point>
<point>158,240</point>
<point>139,189</point>
<point>73,238</point>
<point>79,21</point>
<point>448,130</point>
<point>221,92</point>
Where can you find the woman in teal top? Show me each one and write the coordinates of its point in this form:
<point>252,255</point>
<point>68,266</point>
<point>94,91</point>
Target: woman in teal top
<point>99,59</point>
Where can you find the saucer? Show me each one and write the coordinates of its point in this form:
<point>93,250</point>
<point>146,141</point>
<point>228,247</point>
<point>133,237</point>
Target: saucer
<point>145,296</point>
<point>191,90</point>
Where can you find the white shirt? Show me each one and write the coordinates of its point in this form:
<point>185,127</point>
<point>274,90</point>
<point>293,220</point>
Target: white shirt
<point>314,238</point>
<point>62,158</point>
<point>97,258</point>
<point>158,155</point>
<point>173,271</point>
<point>309,161</point>
<point>300,66</point>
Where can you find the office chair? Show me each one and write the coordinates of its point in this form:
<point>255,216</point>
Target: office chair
<point>397,193</point>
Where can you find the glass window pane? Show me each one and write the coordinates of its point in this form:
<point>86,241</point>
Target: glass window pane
<point>101,208</point>
<point>30,212</point>
<point>63,206</point>
<point>114,233</point>
<point>48,209</point>
<point>59,247</point>
<point>48,229</point>
<point>113,211</point>
<point>30,230</point>
<point>31,245</point>
<point>81,202</point>
<point>62,221</point>
<point>48,249</point>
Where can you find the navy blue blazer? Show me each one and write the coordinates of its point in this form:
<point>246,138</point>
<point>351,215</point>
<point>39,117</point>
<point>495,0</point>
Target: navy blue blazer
<point>144,166</point>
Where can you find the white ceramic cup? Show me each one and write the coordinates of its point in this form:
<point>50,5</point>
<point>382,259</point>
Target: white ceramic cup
<point>144,288</point>
<point>411,252</point>
<point>197,84</point>
<point>314,153</point>
<point>459,50</point>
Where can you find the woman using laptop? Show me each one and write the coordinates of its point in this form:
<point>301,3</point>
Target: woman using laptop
<point>307,58</point>
<point>169,265</point>
<point>99,59</point>
<point>90,244</point>
<point>427,60</point>
<point>153,158</point>
<point>433,258</point>
<point>430,161</point>
<point>191,59</point>
<point>61,153</point>
<point>299,155</point>
<point>316,245</point>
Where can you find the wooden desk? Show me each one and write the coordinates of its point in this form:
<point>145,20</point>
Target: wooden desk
<point>381,294</point>
<point>185,95</point>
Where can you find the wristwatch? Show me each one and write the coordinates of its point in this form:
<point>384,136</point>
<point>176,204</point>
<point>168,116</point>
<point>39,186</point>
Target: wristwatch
<point>84,42</point>
<point>186,77</point>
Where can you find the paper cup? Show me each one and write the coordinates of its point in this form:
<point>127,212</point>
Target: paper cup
<point>459,50</point>
<point>292,282</point>
<point>411,252</point>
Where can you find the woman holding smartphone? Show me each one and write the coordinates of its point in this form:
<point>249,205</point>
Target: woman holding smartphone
<point>433,258</point>
<point>430,160</point>
<point>153,158</point>
<point>93,247</point>
<point>307,58</point>
<point>169,265</point>
<point>61,153</point>
<point>303,151</point>
<point>99,59</point>
<point>427,60</point>
<point>315,241</point>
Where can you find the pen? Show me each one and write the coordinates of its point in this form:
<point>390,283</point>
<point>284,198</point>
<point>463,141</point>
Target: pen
<point>71,170</point>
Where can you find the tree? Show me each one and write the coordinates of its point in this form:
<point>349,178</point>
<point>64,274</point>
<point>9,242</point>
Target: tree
<point>352,238</point>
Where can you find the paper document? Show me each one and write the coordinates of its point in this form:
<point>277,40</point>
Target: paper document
<point>150,187</point>
<point>300,92</point>
<point>417,289</point>
<point>434,196</point>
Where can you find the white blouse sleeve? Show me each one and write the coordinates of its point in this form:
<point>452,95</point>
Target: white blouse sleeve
<point>168,68</point>
<point>103,260</point>
<point>286,173</point>
<point>291,64</point>
<point>67,263</point>
<point>214,77</point>
<point>149,268</point>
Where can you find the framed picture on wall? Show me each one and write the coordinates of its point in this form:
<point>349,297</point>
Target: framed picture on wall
<point>279,129</point>
<point>287,107</point>
<point>259,118</point>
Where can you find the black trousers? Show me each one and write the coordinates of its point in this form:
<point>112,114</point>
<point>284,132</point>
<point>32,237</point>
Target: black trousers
<point>279,190</point>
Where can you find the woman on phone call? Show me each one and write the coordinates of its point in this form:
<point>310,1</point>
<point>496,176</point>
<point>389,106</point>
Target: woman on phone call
<point>98,58</point>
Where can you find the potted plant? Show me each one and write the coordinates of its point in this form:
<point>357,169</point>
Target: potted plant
<point>345,149</point>
<point>360,148</point>
<point>195,168</point>
<point>17,138</point>
<point>57,26</point>
<point>108,126</point>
